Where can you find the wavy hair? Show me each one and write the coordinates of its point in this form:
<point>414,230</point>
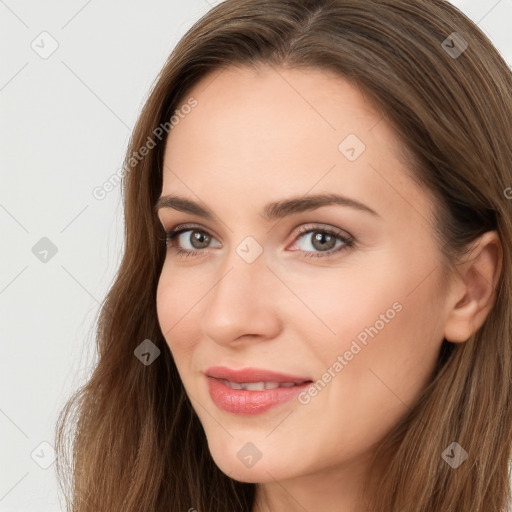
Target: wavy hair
<point>129,439</point>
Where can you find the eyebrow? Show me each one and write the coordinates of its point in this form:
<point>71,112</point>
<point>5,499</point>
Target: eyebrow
<point>271,211</point>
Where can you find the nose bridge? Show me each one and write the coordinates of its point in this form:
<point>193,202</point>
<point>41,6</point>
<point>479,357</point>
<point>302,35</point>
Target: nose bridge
<point>242,270</point>
<point>237,287</point>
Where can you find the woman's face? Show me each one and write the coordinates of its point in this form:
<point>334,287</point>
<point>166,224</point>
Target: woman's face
<point>347,295</point>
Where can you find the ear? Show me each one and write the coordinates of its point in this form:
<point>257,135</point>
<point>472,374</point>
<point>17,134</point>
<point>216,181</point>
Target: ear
<point>474,291</point>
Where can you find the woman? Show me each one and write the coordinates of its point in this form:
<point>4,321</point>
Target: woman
<point>313,308</point>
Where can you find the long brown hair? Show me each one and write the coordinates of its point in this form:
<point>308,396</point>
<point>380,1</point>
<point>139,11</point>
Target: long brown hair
<point>137,443</point>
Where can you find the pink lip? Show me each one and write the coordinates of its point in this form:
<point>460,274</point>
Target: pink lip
<point>243,401</point>
<point>251,375</point>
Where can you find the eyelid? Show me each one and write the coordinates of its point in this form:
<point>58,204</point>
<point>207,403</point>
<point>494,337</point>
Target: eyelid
<point>188,226</point>
<point>345,237</point>
<point>304,228</point>
<point>312,226</point>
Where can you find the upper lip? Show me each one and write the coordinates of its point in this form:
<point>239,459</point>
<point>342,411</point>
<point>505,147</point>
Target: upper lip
<point>252,375</point>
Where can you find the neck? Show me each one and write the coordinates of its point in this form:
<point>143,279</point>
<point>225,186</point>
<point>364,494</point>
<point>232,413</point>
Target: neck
<point>336,489</point>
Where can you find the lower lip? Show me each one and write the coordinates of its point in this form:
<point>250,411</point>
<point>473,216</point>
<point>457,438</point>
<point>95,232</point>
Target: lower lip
<point>244,401</point>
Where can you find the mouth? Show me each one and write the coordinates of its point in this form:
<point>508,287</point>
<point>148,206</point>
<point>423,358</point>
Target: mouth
<point>262,385</point>
<point>252,391</point>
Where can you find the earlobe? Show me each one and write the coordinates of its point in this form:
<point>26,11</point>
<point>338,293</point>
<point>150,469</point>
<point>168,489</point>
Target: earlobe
<point>474,294</point>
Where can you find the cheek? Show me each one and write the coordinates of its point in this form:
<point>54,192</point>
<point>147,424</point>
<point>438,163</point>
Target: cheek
<point>388,338</point>
<point>176,299</point>
<point>340,306</point>
<point>386,298</point>
<point>386,329</point>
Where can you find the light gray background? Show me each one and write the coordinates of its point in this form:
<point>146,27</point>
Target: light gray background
<point>65,125</point>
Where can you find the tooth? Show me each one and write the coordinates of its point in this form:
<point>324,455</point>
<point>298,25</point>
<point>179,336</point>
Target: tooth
<point>257,386</point>
<point>254,386</point>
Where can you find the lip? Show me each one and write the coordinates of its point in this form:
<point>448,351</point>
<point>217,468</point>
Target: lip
<point>252,375</point>
<point>247,402</point>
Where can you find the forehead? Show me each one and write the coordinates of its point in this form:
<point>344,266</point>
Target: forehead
<point>274,110</point>
<point>273,130</point>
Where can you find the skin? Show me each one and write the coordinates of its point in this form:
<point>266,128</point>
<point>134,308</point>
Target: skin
<point>266,135</point>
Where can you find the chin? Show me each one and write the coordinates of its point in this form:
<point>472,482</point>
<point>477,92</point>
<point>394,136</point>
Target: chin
<point>261,471</point>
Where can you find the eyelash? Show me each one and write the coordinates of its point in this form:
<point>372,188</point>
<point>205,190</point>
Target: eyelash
<point>183,253</point>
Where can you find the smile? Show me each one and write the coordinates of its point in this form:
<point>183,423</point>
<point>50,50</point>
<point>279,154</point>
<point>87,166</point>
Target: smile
<point>250,398</point>
<point>259,386</point>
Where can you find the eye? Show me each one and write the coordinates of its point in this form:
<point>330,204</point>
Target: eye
<point>324,241</point>
<point>197,238</point>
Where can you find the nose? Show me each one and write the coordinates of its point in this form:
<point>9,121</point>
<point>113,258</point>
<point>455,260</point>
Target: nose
<point>243,303</point>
